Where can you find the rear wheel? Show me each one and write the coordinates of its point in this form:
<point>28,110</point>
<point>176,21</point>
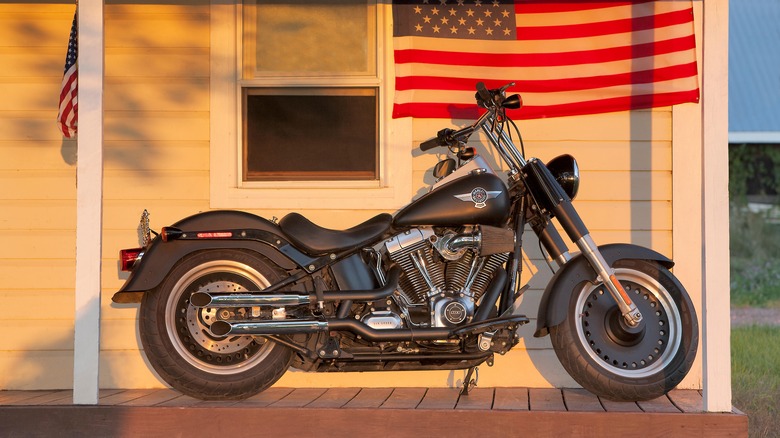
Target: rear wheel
<point>619,362</point>
<point>176,336</point>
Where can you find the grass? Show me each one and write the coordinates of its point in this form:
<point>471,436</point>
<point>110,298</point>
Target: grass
<point>755,350</point>
<point>755,259</point>
<point>755,378</point>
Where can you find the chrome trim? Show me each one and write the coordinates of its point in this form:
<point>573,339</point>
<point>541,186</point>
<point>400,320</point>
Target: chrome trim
<point>591,252</point>
<point>204,299</point>
<point>223,328</point>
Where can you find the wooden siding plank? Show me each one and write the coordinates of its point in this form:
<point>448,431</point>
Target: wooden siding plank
<point>477,399</point>
<point>369,398</point>
<point>580,400</point>
<point>660,404</point>
<point>546,399</point>
<point>439,398</point>
<point>299,398</point>
<point>404,398</point>
<point>334,398</point>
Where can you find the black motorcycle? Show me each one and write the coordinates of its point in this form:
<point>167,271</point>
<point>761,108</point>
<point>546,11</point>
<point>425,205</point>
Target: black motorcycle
<point>229,300</point>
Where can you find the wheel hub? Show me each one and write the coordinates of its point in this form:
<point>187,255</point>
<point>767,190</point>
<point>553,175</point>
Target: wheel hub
<point>621,348</point>
<point>192,325</point>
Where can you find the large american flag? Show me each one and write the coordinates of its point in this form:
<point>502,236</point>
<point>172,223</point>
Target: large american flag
<point>68,119</point>
<point>566,57</point>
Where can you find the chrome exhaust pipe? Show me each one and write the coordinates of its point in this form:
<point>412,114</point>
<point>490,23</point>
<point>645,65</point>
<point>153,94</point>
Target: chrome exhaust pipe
<point>223,328</point>
<point>204,299</point>
<point>291,327</point>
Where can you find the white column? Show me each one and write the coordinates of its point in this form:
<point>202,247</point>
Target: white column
<point>89,203</point>
<point>715,202</point>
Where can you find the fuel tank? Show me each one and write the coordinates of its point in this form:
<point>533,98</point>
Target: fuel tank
<point>477,198</point>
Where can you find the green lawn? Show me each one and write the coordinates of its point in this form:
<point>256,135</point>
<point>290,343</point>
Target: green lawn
<point>755,378</point>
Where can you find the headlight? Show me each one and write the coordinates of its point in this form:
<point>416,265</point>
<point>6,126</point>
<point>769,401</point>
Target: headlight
<point>566,172</point>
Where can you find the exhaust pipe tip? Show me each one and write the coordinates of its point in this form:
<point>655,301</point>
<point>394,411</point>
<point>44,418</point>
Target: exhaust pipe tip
<point>220,328</point>
<point>200,299</point>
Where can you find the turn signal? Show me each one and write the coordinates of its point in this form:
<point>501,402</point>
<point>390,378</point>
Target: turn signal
<point>169,233</point>
<point>128,257</point>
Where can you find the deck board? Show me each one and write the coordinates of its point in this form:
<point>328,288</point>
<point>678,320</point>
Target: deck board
<point>546,399</point>
<point>404,398</point>
<point>477,399</point>
<point>439,398</point>
<point>580,400</point>
<point>499,411</point>
<point>511,399</point>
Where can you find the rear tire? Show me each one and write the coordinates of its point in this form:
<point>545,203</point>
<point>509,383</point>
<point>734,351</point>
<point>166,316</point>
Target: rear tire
<point>622,363</point>
<point>183,351</point>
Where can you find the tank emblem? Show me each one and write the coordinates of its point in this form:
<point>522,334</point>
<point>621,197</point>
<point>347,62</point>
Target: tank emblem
<point>479,196</point>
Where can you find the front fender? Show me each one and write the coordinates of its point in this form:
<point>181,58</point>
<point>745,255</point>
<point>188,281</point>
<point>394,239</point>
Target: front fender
<point>161,256</point>
<point>555,300</point>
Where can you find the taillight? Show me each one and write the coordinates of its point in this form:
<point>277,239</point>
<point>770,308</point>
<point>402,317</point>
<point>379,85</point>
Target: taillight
<point>128,257</point>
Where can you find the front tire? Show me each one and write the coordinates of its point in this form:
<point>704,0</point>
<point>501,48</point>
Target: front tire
<point>183,351</point>
<point>622,363</point>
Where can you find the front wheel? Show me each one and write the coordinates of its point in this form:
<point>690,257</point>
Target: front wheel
<point>176,336</point>
<point>623,363</point>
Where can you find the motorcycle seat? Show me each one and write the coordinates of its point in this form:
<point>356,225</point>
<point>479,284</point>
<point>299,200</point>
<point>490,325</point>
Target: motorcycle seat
<point>316,240</point>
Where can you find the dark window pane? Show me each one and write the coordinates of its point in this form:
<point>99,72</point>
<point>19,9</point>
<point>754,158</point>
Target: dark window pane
<point>313,134</point>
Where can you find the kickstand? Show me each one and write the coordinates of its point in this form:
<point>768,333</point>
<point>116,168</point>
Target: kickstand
<point>468,382</point>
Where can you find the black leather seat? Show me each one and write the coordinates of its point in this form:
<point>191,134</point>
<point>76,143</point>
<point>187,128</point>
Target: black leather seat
<point>316,240</point>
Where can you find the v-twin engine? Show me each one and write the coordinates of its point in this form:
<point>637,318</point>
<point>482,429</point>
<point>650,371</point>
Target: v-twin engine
<point>445,274</point>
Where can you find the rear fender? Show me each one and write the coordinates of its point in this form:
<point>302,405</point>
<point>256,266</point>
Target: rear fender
<point>161,256</point>
<point>555,300</point>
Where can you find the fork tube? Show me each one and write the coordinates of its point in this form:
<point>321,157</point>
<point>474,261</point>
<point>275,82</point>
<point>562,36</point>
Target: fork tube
<point>578,232</point>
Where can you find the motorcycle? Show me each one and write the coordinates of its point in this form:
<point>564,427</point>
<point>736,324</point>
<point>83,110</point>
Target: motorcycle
<point>230,300</point>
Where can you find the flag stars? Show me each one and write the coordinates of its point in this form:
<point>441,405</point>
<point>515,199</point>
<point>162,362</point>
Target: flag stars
<point>505,13</point>
<point>453,30</point>
<point>436,29</point>
<point>435,11</point>
<point>478,3</point>
<point>427,19</point>
<point>496,3</point>
<point>453,12</point>
<point>470,12</point>
<point>417,10</point>
<point>497,22</point>
<point>488,13</point>
<point>462,19</point>
<point>445,20</point>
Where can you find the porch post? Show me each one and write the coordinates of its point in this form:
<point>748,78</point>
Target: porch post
<point>89,203</point>
<point>715,204</point>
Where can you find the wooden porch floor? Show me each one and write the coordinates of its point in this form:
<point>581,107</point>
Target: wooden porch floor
<point>339,412</point>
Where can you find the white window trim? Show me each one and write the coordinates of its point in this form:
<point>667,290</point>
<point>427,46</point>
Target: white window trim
<point>392,191</point>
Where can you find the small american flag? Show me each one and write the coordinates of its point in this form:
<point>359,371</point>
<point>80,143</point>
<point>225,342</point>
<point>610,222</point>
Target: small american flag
<point>69,101</point>
<point>567,57</point>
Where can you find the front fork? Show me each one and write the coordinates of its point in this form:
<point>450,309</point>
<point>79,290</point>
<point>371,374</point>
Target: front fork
<point>549,196</point>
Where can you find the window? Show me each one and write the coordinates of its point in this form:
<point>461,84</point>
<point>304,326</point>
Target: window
<point>310,134</point>
<point>301,97</point>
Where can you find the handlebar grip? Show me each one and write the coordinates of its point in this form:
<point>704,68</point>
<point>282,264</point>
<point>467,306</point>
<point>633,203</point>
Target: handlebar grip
<point>484,94</point>
<point>429,144</point>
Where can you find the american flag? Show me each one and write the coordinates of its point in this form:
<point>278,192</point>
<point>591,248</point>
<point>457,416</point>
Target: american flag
<point>68,117</point>
<point>566,57</point>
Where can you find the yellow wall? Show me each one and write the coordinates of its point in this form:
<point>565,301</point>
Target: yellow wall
<point>157,157</point>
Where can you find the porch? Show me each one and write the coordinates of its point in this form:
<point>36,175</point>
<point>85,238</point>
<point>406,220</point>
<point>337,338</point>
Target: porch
<point>333,412</point>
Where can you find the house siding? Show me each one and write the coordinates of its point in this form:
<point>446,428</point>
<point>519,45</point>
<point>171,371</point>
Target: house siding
<point>157,157</point>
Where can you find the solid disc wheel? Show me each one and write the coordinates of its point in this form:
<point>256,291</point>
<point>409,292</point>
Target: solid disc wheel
<point>621,362</point>
<point>176,335</point>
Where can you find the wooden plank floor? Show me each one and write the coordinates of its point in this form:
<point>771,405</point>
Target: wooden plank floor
<point>399,412</point>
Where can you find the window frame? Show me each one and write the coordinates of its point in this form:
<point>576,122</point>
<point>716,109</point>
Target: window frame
<point>227,188</point>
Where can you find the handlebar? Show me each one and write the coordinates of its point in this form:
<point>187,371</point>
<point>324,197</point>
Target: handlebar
<point>493,100</point>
